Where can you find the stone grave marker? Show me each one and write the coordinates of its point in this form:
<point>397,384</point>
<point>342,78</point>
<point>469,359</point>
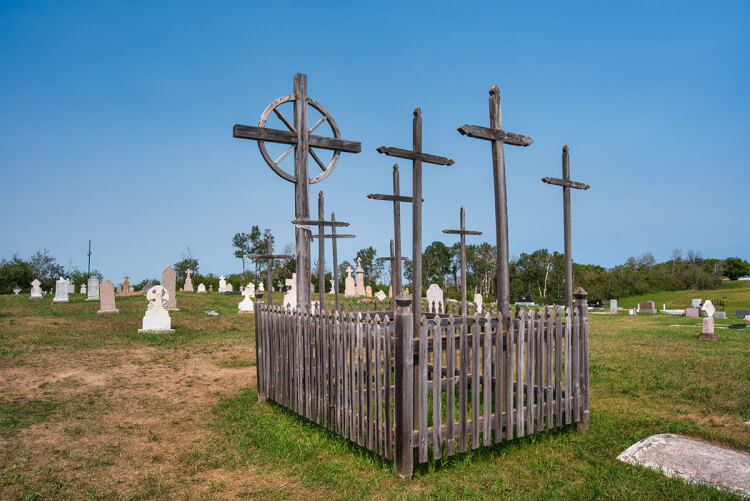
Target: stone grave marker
<point>201,288</point>
<point>148,286</point>
<point>71,287</point>
<point>188,281</point>
<point>93,289</point>
<point>157,318</point>
<point>246,305</point>
<point>107,297</point>
<point>83,289</point>
<point>61,291</point>
<point>692,312</point>
<point>695,303</point>
<point>720,314</point>
<point>708,308</point>
<point>613,305</point>
<point>210,287</point>
<point>740,313</point>
<point>647,307</point>
<point>349,290</point>
<point>332,290</point>
<point>126,284</point>
<point>380,295</point>
<point>290,297</point>
<point>368,291</point>
<point>169,281</point>
<point>222,284</point>
<point>360,278</point>
<point>478,303</point>
<point>390,291</point>
<point>16,290</point>
<point>229,288</point>
<point>434,299</point>
<point>131,289</point>
<point>36,290</point>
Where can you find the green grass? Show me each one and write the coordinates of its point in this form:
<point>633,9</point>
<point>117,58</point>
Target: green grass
<point>736,295</point>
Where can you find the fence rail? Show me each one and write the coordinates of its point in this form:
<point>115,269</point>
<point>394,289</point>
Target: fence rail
<point>462,382</point>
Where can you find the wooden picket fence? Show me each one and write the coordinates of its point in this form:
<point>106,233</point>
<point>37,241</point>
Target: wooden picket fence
<point>464,382</point>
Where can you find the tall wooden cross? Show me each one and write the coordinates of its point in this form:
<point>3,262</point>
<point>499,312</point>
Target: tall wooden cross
<point>396,198</point>
<point>269,257</point>
<point>462,259</point>
<point>302,141</point>
<point>417,157</point>
<point>499,138</point>
<point>567,184</point>
<point>321,253</point>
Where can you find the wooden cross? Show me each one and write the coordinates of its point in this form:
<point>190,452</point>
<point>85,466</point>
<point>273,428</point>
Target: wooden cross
<point>269,257</point>
<point>499,138</point>
<point>462,260</point>
<point>302,141</point>
<point>395,268</point>
<point>417,157</point>
<point>334,237</point>
<point>567,184</point>
<point>396,198</point>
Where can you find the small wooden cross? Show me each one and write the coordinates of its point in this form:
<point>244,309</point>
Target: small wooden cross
<point>462,260</point>
<point>499,138</point>
<point>417,157</point>
<point>567,184</point>
<point>269,257</point>
<point>334,241</point>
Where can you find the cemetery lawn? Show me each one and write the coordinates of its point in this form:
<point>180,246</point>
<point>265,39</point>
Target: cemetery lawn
<point>89,408</point>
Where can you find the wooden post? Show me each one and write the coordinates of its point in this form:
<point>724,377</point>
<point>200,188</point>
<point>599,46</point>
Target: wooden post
<point>335,262</point>
<point>260,347</point>
<point>404,396</point>
<point>583,371</point>
<point>334,237</point>
<point>301,188</point>
<point>321,256</point>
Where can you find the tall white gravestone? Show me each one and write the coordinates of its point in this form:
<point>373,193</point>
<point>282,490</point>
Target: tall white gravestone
<point>36,290</point>
<point>613,305</point>
<point>222,284</point>
<point>83,289</point>
<point>349,290</point>
<point>360,279</point>
<point>157,318</point>
<point>92,289</point>
<point>246,305</point>
<point>434,299</point>
<point>71,286</point>
<point>478,303</point>
<point>201,289</point>
<point>61,291</point>
<point>290,298</point>
<point>169,281</point>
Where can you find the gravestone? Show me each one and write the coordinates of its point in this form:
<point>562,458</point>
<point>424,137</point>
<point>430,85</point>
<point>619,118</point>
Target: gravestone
<point>229,288</point>
<point>478,303</point>
<point>61,291</point>
<point>647,307</point>
<point>692,312</point>
<point>740,313</point>
<point>360,278</point>
<point>349,290</point>
<point>720,314</point>
<point>119,288</point>
<point>157,318</point>
<point>368,291</point>
<point>222,284</point>
<point>251,288</point>
<point>246,305</point>
<point>201,288</point>
<point>708,329</point>
<point>380,295</point>
<point>16,290</point>
<point>708,308</point>
<point>83,288</point>
<point>613,305</point>
<point>169,281</point>
<point>131,289</point>
<point>126,284</point>
<point>188,282</point>
<point>93,289</point>
<point>333,287</point>
<point>695,303</point>
<point>71,286</point>
<point>434,299</point>
<point>107,297</point>
<point>390,291</point>
<point>290,297</point>
<point>148,286</point>
<point>210,287</point>
<point>36,291</point>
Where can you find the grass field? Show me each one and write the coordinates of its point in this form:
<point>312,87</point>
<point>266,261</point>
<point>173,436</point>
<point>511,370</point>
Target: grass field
<point>89,408</point>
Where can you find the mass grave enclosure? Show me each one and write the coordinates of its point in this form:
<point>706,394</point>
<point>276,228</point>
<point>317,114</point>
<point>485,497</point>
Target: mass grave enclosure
<point>400,379</point>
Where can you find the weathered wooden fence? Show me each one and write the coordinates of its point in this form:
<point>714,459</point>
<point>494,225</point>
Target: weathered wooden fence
<point>463,382</point>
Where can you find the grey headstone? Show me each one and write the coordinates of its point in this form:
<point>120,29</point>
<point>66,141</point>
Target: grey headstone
<point>169,281</point>
<point>720,314</point>
<point>740,313</point>
<point>92,289</point>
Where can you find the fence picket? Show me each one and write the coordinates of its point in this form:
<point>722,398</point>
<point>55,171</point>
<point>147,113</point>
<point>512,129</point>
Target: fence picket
<point>520,373</point>
<point>499,373</point>
<point>423,363</point>
<point>576,366</point>
<point>531,372</point>
<point>463,387</point>
<point>509,350</point>
<point>450,392</point>
<point>568,361</point>
<point>437,392</point>
<point>558,366</point>
<point>487,380</point>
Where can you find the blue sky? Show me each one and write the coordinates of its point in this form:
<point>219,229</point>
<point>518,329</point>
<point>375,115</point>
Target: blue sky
<point>116,123</point>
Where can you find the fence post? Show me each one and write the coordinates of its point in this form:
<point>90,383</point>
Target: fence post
<point>404,397</point>
<point>583,373</point>
<point>259,348</point>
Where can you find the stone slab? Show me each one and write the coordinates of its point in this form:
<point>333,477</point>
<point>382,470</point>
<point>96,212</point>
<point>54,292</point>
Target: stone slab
<point>692,312</point>
<point>693,461</point>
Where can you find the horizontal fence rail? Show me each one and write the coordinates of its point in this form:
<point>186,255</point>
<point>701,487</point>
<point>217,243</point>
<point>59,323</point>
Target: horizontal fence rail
<point>462,382</point>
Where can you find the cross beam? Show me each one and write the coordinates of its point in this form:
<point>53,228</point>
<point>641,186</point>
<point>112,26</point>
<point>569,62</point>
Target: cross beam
<point>290,137</point>
<point>397,199</point>
<point>269,257</point>
<point>567,184</point>
<point>462,259</point>
<point>499,138</point>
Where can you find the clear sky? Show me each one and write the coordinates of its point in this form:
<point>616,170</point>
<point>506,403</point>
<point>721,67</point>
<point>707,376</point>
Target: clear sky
<point>116,123</point>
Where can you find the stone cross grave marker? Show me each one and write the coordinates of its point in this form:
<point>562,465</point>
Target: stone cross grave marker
<point>126,284</point>
<point>222,284</point>
<point>499,138</point>
<point>349,289</point>
<point>36,290</point>
<point>188,287</point>
<point>107,297</point>
<point>246,305</point>
<point>269,257</point>
<point>169,281</point>
<point>300,138</point>
<point>290,297</point>
<point>462,258</point>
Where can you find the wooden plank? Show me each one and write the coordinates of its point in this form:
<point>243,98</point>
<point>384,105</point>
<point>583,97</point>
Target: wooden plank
<point>288,137</point>
<point>359,381</point>
<point>549,371</point>
<point>499,340</point>
<point>339,373</point>
<point>423,388</point>
<point>479,132</point>
<point>325,368</point>
<point>558,366</point>
<point>568,361</point>
<point>437,392</point>
<point>463,386</point>
<point>566,183</point>
<point>404,397</point>
<point>388,395</point>
<point>509,351</point>
<point>540,350</point>
<point>378,386</point>
<point>390,198</point>
<point>475,382</point>
<point>531,372</point>
<point>521,374</point>
<point>318,222</point>
<point>414,155</point>
<point>487,382</point>
<point>368,382</point>
<point>462,232</point>
<point>450,396</point>
<point>576,367</point>
<point>349,378</point>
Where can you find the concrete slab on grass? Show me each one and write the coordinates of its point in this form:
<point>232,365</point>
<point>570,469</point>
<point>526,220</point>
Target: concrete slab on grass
<point>693,461</point>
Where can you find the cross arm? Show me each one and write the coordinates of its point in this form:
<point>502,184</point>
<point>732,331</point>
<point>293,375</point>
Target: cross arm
<point>390,198</point>
<point>488,134</point>
<point>269,256</point>
<point>334,236</point>
<point>288,137</point>
<point>566,183</point>
<point>403,258</point>
<point>413,155</point>
<point>317,222</point>
<point>462,232</point>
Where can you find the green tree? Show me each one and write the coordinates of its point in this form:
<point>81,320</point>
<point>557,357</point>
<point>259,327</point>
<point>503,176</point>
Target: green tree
<point>370,265</point>
<point>241,243</point>
<point>15,272</point>
<point>437,264</point>
<point>45,268</point>
<point>735,267</point>
<point>188,262</point>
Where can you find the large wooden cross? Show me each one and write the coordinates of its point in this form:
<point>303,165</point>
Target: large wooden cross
<point>269,257</point>
<point>417,157</point>
<point>302,141</point>
<point>396,198</point>
<point>462,259</point>
<point>567,184</point>
<point>499,138</point>
<point>334,238</point>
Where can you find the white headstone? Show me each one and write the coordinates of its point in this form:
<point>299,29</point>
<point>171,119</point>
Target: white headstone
<point>229,288</point>
<point>709,308</point>
<point>332,290</point>
<point>349,290</point>
<point>83,288</point>
<point>36,291</point>
<point>290,298</point>
<point>434,298</point>
<point>380,295</point>
<point>201,289</point>
<point>16,290</point>
<point>93,289</point>
<point>157,318</point>
<point>696,303</point>
<point>222,284</point>
<point>71,286</point>
<point>260,288</point>
<point>613,305</point>
<point>246,305</point>
<point>478,303</point>
<point>368,291</point>
<point>61,291</point>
